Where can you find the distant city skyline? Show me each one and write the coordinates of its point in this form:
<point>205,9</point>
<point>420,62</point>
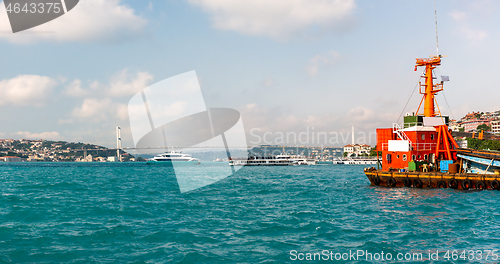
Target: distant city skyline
<point>316,64</point>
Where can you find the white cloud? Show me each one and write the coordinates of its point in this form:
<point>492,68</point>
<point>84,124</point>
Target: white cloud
<point>123,84</point>
<point>458,15</point>
<point>319,61</point>
<point>43,135</point>
<point>268,82</point>
<point>95,110</point>
<point>251,106</point>
<point>278,18</point>
<point>102,102</point>
<point>74,89</point>
<point>465,29</point>
<point>26,90</point>
<point>90,20</point>
<point>120,85</point>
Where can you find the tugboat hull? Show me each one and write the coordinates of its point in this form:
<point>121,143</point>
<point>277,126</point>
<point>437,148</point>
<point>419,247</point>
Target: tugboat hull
<point>433,180</point>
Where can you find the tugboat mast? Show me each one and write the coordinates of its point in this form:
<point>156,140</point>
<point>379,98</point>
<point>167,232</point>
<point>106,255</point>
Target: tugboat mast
<point>430,88</point>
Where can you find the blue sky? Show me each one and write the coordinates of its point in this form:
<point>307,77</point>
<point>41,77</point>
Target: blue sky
<point>285,65</point>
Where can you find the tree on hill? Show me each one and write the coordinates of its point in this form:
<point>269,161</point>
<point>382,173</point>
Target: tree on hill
<point>474,143</point>
<point>483,127</point>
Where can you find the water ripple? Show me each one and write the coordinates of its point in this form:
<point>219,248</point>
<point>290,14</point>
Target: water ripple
<point>69,212</point>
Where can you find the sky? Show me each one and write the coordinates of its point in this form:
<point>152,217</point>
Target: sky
<point>288,66</point>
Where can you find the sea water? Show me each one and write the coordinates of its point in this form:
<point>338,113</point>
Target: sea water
<point>135,213</point>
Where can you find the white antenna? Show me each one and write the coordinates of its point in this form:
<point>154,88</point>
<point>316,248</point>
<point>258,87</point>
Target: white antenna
<point>436,19</point>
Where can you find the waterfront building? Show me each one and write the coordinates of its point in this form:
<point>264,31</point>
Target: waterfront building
<point>471,124</point>
<point>11,159</point>
<point>357,149</point>
<point>455,125</point>
<point>495,126</point>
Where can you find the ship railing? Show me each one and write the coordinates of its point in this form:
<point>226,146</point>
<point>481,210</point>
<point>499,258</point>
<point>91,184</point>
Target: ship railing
<point>423,146</point>
<point>415,146</point>
<point>396,128</point>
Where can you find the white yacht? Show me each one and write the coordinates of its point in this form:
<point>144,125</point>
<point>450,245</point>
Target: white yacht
<point>174,157</point>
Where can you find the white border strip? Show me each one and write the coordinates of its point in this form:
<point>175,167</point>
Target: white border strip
<point>64,6</point>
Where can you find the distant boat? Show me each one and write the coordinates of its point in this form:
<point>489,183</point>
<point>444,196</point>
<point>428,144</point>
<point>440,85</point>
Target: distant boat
<point>302,160</point>
<point>278,160</point>
<point>360,161</point>
<point>173,157</point>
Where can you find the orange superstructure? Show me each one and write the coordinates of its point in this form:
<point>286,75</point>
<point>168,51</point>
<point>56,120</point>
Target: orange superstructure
<point>423,139</point>
<point>430,88</point>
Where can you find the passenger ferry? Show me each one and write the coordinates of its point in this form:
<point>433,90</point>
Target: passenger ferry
<point>356,161</point>
<point>173,157</point>
<point>278,160</point>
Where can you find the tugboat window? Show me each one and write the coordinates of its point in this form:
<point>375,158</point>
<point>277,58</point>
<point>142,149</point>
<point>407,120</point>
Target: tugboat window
<point>432,136</point>
<point>423,136</point>
<point>425,157</point>
<point>397,157</point>
<point>404,157</point>
<point>413,157</point>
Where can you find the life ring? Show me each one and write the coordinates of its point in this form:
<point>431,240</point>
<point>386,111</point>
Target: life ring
<point>453,183</point>
<point>441,184</point>
<point>480,185</point>
<point>407,182</point>
<point>495,184</point>
<point>466,184</point>
<point>391,182</point>
<point>376,180</point>
<point>417,183</point>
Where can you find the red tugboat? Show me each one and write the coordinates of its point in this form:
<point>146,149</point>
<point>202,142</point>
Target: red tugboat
<point>421,152</point>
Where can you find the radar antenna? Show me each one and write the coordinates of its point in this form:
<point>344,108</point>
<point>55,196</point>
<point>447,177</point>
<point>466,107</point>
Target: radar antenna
<point>436,19</point>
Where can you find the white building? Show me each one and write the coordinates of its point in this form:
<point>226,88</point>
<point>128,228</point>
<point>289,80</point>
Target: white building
<point>86,159</point>
<point>455,126</point>
<point>357,149</point>
<point>11,159</point>
<point>495,126</point>
<point>462,143</point>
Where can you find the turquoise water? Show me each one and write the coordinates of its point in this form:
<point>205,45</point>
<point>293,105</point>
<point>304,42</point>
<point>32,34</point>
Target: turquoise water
<point>130,212</point>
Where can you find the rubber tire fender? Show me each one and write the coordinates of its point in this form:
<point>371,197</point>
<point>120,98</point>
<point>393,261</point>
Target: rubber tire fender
<point>376,180</point>
<point>495,185</point>
<point>417,183</point>
<point>391,182</point>
<point>407,182</point>
<point>466,184</point>
<point>441,184</point>
<point>453,183</point>
<point>480,185</point>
